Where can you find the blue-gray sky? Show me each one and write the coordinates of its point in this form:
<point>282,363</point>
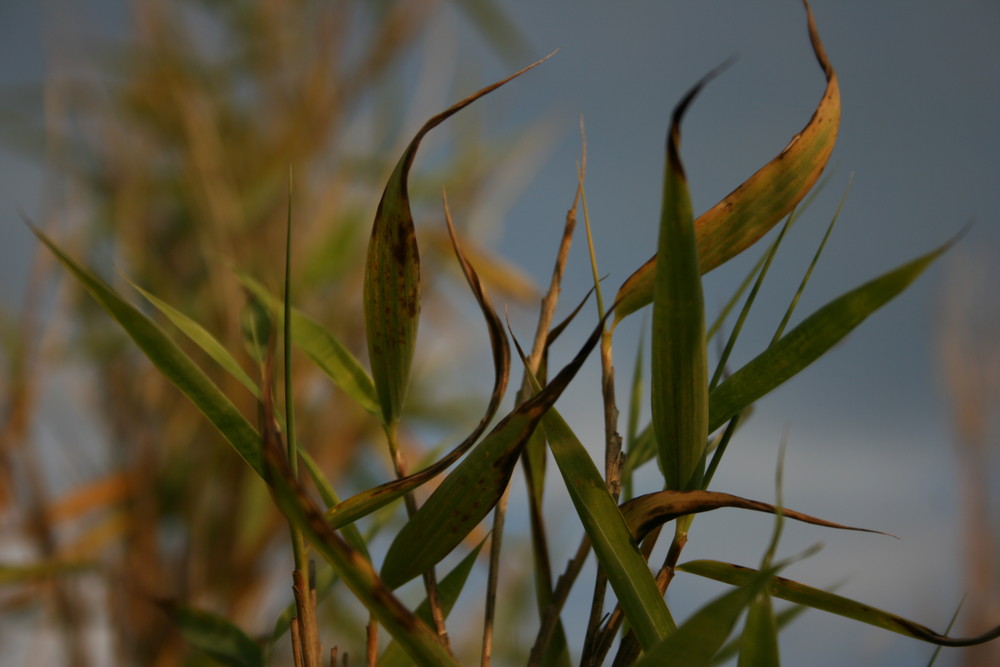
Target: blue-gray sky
<point>869,440</point>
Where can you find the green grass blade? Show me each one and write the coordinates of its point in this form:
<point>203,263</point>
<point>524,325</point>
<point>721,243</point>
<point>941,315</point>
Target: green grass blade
<point>701,636</point>
<point>217,637</point>
<point>418,640</point>
<point>811,339</point>
<point>392,275</point>
<point>170,360</point>
<point>472,489</point>
<point>618,555</point>
<point>759,641</point>
<point>449,589</point>
<point>812,265</point>
<point>782,619</point>
<point>679,360</point>
<point>335,360</point>
<point>202,338</point>
<point>749,211</point>
<point>792,591</point>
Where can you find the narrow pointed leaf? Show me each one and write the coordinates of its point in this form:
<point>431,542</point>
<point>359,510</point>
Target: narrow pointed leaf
<point>392,276</point>
<point>654,509</point>
<point>759,642</point>
<point>170,360</point>
<point>449,589</point>
<point>368,501</point>
<point>202,338</point>
<point>217,637</point>
<point>701,636</point>
<point>749,211</point>
<point>335,360</point>
<point>801,346</point>
<point>679,361</point>
<point>793,591</point>
<point>418,640</point>
<point>471,490</point>
<point>617,553</point>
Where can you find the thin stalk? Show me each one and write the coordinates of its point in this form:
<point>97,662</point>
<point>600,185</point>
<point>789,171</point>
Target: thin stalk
<point>559,595</point>
<point>612,439</point>
<point>304,599</point>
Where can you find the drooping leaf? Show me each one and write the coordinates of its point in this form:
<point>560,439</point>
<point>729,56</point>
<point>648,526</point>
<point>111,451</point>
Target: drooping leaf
<point>217,637</point>
<point>786,589</point>
<point>749,211</point>
<point>392,275</point>
<point>169,359</point>
<point>654,509</point>
<point>679,361</point>
<point>801,346</point>
<point>471,490</point>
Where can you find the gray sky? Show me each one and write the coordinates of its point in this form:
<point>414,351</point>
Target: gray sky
<point>869,440</point>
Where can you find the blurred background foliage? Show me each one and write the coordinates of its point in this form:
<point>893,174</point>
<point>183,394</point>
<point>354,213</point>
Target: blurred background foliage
<point>168,150</point>
<point>167,145</point>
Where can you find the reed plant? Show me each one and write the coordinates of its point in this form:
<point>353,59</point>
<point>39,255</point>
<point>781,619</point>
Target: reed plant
<point>302,361</point>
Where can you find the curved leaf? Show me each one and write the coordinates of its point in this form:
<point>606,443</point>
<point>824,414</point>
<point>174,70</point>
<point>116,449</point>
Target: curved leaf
<point>654,509</point>
<point>392,275</point>
<point>471,490</point>
<point>370,500</point>
<point>749,211</point>
<point>793,591</point>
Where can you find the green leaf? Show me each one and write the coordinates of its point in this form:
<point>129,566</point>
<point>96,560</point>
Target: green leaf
<point>679,362</point>
<point>217,637</point>
<point>449,589</point>
<point>418,640</point>
<point>811,339</point>
<point>701,636</point>
<point>335,360</point>
<point>202,338</point>
<point>759,642</point>
<point>471,490</point>
<point>749,211</point>
<point>170,360</point>
<point>392,275</point>
<point>648,511</point>
<point>792,591</point>
<point>618,555</point>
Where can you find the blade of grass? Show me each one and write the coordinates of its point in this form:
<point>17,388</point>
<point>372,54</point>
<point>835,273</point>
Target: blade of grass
<point>449,589</point>
<point>749,211</point>
<point>653,509</point>
<point>679,361</point>
<point>811,339</point>
<point>392,274</point>
<point>335,360</point>
<point>618,555</point>
<point>470,491</point>
<point>201,337</point>
<point>793,591</point>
